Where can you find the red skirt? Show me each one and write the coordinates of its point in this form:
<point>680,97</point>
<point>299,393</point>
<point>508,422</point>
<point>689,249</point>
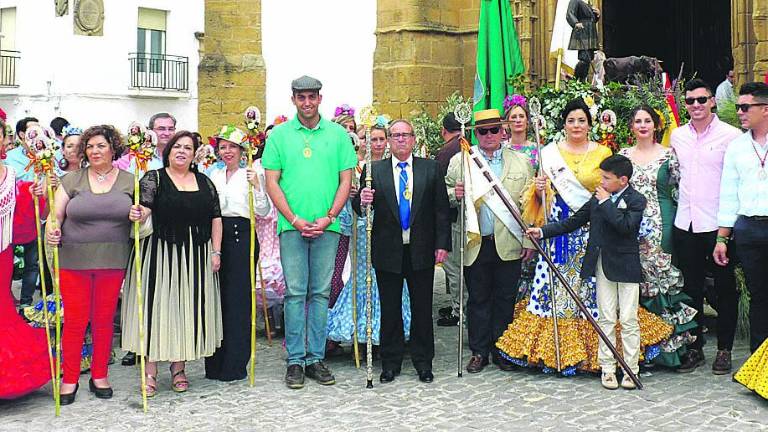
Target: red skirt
<point>24,364</point>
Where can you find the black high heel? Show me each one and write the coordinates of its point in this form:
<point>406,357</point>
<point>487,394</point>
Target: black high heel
<point>99,392</point>
<point>69,398</point>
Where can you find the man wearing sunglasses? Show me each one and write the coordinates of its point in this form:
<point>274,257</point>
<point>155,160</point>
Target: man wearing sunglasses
<point>743,211</point>
<point>492,265</point>
<point>700,148</point>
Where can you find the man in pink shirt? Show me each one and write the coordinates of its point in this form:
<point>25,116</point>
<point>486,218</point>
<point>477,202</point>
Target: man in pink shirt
<point>700,148</point>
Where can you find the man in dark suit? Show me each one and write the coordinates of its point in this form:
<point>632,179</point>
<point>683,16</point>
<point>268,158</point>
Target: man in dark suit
<point>411,232</point>
<point>613,257</point>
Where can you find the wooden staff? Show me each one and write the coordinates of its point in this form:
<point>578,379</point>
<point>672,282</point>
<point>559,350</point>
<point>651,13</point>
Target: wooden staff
<point>535,110</point>
<point>56,295</point>
<point>139,294</point>
<point>41,264</point>
<point>264,303</point>
<point>368,117</point>
<point>252,261</point>
<point>560,277</point>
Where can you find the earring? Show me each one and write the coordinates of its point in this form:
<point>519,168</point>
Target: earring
<point>3,154</point>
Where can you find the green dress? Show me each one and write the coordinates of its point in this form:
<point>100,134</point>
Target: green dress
<point>661,292</point>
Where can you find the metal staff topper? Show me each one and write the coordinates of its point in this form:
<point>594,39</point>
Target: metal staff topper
<point>463,114</point>
<point>368,116</point>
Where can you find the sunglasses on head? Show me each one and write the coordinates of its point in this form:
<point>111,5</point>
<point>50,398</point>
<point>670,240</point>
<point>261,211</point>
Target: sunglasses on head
<point>701,100</point>
<point>493,130</point>
<point>746,106</point>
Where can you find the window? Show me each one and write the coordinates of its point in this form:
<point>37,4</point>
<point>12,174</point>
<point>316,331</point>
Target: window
<point>150,40</point>
<point>8,28</point>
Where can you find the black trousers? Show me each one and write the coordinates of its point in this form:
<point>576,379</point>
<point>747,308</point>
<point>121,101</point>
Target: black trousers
<point>694,252</point>
<point>422,342</point>
<point>751,238</point>
<point>493,286</point>
<point>229,361</point>
<point>581,71</point>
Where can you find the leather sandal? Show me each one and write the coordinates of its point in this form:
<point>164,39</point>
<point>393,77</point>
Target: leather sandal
<point>181,384</point>
<point>151,385</point>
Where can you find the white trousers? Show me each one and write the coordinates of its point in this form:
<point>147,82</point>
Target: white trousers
<point>617,298</point>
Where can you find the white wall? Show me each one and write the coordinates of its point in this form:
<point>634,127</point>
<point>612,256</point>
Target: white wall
<point>86,79</point>
<point>332,40</point>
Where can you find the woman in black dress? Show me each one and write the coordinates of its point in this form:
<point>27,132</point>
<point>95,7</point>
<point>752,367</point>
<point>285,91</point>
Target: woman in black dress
<point>180,261</point>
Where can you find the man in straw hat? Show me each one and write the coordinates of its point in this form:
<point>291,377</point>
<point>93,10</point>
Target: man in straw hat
<point>308,165</point>
<point>492,262</point>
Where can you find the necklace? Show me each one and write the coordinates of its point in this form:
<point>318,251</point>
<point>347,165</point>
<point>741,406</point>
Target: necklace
<point>307,148</point>
<point>761,174</point>
<point>583,158</point>
<point>101,177</point>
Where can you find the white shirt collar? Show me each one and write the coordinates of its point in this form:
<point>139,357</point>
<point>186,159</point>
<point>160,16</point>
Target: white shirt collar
<point>396,161</point>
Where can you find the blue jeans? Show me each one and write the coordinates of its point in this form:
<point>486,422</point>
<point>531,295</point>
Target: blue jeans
<point>31,273</point>
<point>308,268</point>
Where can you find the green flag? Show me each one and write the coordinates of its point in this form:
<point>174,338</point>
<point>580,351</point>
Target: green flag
<point>498,55</point>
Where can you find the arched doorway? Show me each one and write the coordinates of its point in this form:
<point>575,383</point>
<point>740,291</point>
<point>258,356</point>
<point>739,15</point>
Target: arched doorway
<point>694,33</point>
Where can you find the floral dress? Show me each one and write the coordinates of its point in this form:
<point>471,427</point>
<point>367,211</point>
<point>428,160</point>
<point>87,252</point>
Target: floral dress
<point>529,339</point>
<point>661,290</point>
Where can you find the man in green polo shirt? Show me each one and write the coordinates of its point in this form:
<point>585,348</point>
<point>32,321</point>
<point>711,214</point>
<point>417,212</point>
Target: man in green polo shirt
<point>308,163</point>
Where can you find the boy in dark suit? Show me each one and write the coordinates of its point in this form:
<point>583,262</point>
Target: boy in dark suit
<point>613,257</point>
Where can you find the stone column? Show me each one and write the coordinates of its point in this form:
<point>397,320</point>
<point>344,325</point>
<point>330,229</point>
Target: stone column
<point>424,52</point>
<point>232,74</point>
<point>760,25</point>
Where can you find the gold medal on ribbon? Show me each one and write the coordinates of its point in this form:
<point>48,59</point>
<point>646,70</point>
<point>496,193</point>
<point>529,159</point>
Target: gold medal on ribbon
<point>407,194</point>
<point>307,152</point>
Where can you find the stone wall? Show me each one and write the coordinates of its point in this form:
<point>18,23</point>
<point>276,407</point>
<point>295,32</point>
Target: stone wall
<point>232,69</point>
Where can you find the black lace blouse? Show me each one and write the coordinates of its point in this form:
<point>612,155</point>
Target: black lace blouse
<point>177,214</point>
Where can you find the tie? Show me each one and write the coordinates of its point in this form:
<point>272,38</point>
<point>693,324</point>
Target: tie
<point>405,205</point>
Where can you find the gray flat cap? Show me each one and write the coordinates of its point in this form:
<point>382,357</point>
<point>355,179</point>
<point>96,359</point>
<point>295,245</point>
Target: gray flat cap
<point>305,83</point>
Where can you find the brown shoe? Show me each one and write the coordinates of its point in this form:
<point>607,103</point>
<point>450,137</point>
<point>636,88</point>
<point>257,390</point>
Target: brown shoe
<point>722,363</point>
<point>691,360</point>
<point>477,363</point>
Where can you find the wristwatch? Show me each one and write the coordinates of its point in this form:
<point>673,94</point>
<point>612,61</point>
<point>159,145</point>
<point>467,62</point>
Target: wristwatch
<point>331,217</point>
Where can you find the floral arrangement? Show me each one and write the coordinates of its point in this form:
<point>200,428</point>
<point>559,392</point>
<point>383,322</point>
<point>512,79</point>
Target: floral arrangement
<point>205,156</point>
<point>344,110</point>
<point>42,149</point>
<point>280,119</point>
<point>255,137</point>
<point>142,144</point>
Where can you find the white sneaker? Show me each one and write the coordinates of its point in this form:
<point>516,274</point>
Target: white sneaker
<point>609,381</point>
<point>627,383</point>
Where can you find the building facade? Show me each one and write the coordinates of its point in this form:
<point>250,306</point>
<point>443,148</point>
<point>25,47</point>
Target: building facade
<point>101,61</point>
<point>426,49</point>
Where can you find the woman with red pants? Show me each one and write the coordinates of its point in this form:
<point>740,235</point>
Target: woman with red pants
<point>94,210</point>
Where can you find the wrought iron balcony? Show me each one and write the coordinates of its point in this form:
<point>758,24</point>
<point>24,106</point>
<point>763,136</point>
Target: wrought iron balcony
<point>159,71</point>
<point>8,60</point>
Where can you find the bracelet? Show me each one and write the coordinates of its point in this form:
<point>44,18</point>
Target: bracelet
<point>722,239</point>
<point>295,218</point>
<point>216,253</point>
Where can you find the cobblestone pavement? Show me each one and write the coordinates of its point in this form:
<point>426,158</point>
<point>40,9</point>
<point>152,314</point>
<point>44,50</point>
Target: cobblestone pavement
<point>491,400</point>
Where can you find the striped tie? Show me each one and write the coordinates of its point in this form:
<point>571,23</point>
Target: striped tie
<point>405,204</point>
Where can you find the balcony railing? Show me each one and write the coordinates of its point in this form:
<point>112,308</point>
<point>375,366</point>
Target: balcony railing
<point>159,71</point>
<point>8,68</point>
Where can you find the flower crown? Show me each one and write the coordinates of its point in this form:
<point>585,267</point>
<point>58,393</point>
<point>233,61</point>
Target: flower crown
<point>383,120</point>
<point>515,100</point>
<point>70,130</point>
<point>344,110</point>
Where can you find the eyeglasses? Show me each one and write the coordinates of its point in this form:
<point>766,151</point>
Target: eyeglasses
<point>404,135</point>
<point>165,129</point>
<point>494,130</point>
<point>746,106</point>
<point>701,100</point>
